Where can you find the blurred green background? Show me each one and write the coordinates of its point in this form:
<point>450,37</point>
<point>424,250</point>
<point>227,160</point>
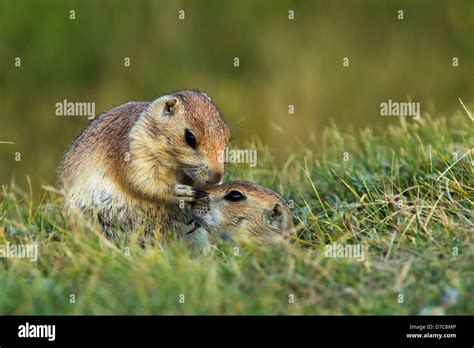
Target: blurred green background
<point>282,62</point>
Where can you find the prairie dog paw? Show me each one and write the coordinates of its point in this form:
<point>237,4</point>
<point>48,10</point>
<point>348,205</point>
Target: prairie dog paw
<point>187,193</point>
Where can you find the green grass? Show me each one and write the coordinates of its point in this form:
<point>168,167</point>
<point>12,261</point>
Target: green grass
<point>403,195</point>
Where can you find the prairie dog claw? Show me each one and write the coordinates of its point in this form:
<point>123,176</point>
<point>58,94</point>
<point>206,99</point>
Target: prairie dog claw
<point>187,193</point>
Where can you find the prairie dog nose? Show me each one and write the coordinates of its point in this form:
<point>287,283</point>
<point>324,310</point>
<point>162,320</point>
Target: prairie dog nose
<point>214,178</point>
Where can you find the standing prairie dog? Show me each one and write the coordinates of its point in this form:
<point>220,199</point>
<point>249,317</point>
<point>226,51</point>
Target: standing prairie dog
<point>240,209</point>
<point>132,165</point>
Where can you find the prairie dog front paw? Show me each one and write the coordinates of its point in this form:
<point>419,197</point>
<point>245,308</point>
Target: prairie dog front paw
<point>187,194</point>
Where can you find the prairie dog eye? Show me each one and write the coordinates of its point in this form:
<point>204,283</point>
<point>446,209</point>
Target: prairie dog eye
<point>190,138</point>
<point>234,196</point>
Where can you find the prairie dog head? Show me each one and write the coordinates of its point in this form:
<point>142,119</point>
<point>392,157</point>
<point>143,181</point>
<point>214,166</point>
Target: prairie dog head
<point>180,136</point>
<point>239,208</point>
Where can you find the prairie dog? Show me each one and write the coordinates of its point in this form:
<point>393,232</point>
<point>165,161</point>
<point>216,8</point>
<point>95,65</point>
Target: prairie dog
<point>240,209</point>
<point>132,165</point>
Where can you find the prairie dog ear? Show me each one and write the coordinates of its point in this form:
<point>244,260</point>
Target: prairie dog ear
<point>167,105</point>
<point>170,106</point>
<point>276,216</point>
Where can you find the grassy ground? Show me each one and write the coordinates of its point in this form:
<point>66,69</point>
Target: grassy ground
<point>407,197</point>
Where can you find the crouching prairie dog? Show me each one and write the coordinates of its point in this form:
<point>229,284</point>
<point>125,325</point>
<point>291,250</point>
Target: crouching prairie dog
<point>239,209</point>
<point>132,165</point>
